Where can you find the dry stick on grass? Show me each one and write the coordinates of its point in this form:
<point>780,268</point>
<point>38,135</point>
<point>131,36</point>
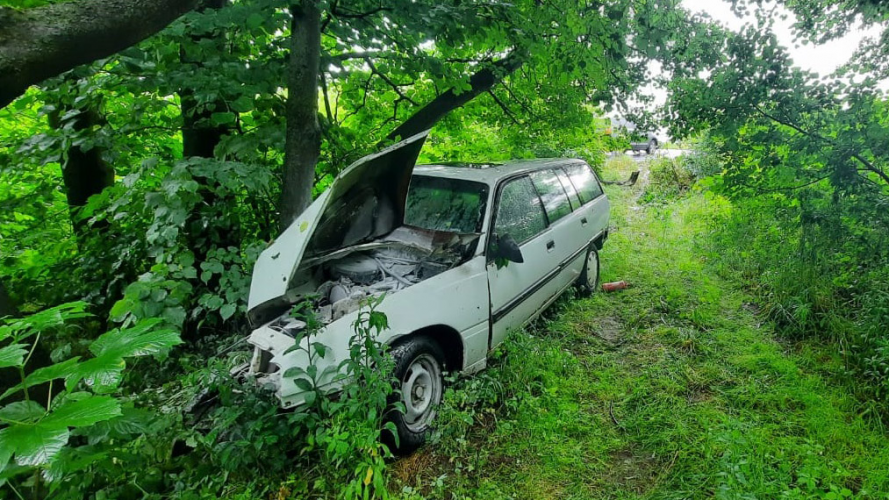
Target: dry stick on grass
<point>611,413</point>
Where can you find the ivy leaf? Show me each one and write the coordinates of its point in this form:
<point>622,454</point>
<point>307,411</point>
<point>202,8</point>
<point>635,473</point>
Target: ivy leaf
<point>12,355</point>
<point>22,411</point>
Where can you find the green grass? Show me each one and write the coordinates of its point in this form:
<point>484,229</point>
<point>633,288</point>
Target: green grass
<point>670,389</point>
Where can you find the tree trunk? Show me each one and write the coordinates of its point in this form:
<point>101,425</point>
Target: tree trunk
<point>303,132</point>
<point>199,136</point>
<point>482,81</point>
<point>7,306</point>
<point>42,42</point>
<point>209,225</point>
<point>84,173</point>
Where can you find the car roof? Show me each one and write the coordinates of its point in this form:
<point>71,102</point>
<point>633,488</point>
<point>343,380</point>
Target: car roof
<point>490,173</point>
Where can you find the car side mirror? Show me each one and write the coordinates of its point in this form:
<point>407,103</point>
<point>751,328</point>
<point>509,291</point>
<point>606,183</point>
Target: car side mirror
<point>505,247</point>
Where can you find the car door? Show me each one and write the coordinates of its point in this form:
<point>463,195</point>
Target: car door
<point>595,209</point>
<point>565,236</point>
<point>518,290</point>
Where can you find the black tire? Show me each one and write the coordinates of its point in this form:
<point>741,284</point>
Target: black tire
<point>586,282</point>
<point>419,367</point>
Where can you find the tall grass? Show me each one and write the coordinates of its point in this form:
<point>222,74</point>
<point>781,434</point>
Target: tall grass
<point>817,260</point>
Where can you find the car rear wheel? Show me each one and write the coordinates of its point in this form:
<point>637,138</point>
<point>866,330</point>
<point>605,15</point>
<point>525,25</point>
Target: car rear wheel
<point>588,281</point>
<point>419,370</point>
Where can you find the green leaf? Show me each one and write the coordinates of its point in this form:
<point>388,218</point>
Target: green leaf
<point>226,118</point>
<point>320,348</point>
<point>22,411</point>
<point>303,384</point>
<point>39,376</point>
<point>102,373</point>
<point>254,20</point>
<point>33,444</point>
<point>137,341</point>
<point>242,104</point>
<point>5,452</point>
<point>84,412</point>
<point>227,311</point>
<point>13,355</point>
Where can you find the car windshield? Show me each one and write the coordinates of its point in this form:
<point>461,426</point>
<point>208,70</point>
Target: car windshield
<point>440,204</point>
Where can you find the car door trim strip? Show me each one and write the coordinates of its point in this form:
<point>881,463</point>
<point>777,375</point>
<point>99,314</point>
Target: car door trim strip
<point>512,304</point>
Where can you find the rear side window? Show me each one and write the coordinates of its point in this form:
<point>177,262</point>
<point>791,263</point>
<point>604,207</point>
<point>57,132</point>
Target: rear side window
<point>555,200</point>
<point>519,213</point>
<point>569,188</point>
<point>584,181</point>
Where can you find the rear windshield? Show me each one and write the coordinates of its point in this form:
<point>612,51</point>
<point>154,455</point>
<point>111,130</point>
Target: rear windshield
<point>451,205</point>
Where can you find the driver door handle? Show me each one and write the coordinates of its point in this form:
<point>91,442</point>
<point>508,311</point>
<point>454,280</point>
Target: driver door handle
<point>550,245</point>
<point>583,221</point>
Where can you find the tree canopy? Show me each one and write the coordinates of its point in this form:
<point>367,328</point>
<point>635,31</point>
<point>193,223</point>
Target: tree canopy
<point>149,150</point>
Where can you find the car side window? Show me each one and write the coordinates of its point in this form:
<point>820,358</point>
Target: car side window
<point>584,180</point>
<point>569,188</point>
<point>519,212</point>
<point>555,200</point>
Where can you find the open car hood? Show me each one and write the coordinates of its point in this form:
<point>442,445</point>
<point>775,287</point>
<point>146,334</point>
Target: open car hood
<point>365,201</point>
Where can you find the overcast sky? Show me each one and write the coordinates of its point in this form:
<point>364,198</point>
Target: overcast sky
<point>822,59</point>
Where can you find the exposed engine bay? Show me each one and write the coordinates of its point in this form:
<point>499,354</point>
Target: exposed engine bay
<point>340,282</point>
<point>361,275</point>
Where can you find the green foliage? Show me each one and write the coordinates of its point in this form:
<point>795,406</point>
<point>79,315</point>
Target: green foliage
<point>35,434</point>
<point>669,178</point>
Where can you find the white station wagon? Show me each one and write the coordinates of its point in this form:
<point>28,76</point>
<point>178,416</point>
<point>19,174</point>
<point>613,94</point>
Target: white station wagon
<point>463,254</point>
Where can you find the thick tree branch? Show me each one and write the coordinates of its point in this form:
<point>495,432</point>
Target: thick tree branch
<point>42,42</point>
<point>435,110</point>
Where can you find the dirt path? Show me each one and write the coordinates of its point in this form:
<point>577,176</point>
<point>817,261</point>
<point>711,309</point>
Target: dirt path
<point>670,389</point>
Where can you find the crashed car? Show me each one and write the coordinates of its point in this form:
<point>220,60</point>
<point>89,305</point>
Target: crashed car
<point>462,253</point>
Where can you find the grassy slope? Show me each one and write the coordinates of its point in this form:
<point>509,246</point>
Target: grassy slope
<point>670,389</point>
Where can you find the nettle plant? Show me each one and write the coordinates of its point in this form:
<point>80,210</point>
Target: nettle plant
<point>74,393</point>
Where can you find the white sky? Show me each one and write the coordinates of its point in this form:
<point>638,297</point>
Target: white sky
<point>822,59</point>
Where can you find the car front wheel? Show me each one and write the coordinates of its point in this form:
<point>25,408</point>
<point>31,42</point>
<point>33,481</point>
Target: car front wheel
<point>589,277</point>
<point>419,370</point>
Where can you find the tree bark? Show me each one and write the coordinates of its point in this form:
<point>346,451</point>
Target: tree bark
<point>199,136</point>
<point>209,225</point>
<point>84,173</point>
<point>303,140</point>
<point>7,306</point>
<point>42,42</point>
<point>482,81</point>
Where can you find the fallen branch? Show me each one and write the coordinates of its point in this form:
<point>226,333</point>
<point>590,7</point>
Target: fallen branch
<point>629,182</point>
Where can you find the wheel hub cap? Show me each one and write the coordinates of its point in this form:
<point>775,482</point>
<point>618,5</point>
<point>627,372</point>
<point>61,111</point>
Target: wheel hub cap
<point>421,392</point>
